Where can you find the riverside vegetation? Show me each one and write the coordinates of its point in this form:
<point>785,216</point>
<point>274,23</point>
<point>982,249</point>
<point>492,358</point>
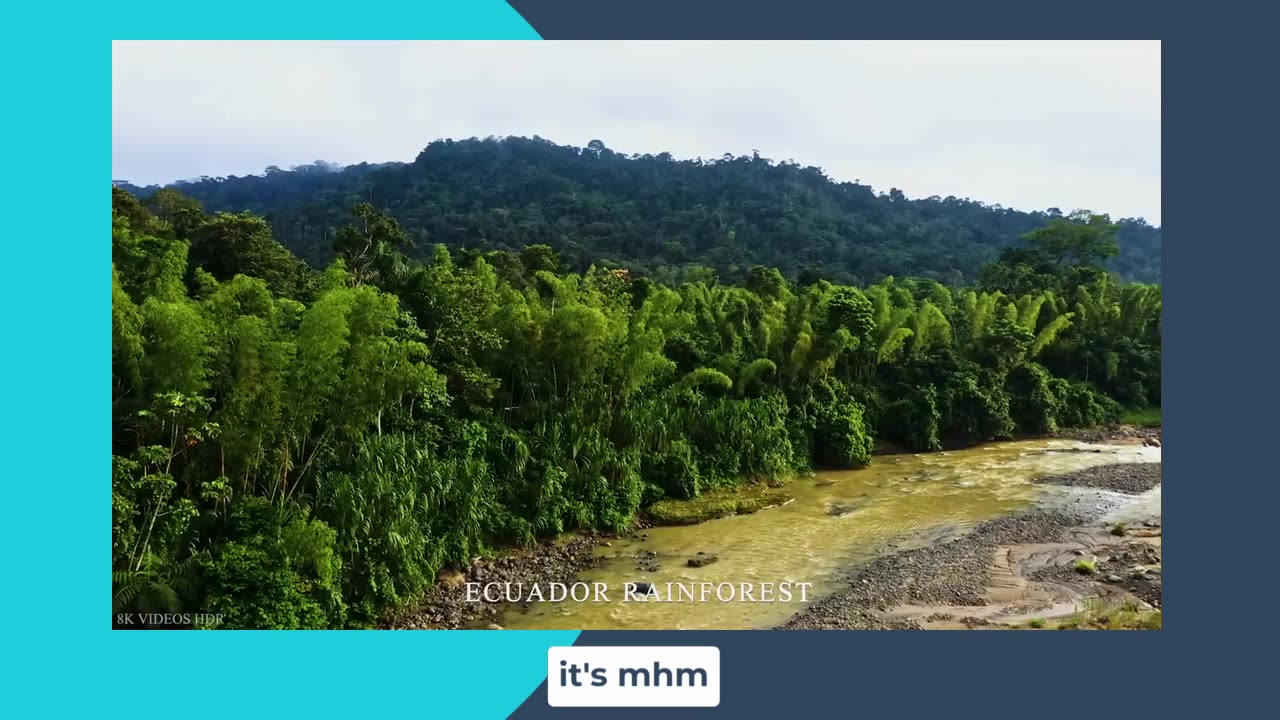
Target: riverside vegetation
<point>308,448</point>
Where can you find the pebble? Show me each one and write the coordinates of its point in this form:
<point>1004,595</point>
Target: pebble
<point>1129,478</point>
<point>955,573</point>
<point>445,607</point>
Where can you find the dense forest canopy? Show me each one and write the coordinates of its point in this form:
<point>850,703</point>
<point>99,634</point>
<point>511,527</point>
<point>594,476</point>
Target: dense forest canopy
<point>306,444</point>
<point>650,214</point>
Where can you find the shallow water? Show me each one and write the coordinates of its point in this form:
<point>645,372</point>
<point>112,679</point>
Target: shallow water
<point>899,501</point>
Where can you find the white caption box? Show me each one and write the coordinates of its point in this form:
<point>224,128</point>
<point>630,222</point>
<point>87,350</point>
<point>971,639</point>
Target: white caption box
<point>634,676</point>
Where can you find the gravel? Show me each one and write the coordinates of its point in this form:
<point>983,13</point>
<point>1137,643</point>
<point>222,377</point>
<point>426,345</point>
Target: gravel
<point>1132,566</point>
<point>445,606</point>
<point>957,572</point>
<point>1130,478</point>
<point>1110,434</point>
<point>952,573</point>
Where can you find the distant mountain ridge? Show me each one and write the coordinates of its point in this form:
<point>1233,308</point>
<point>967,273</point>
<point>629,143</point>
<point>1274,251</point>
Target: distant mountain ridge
<point>650,213</point>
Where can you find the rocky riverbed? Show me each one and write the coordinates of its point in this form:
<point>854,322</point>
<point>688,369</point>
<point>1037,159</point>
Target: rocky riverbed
<point>1131,566</point>
<point>445,606</point>
<point>1113,433</point>
<point>990,575</point>
<point>1005,570</point>
<point>1129,478</point>
<point>953,573</point>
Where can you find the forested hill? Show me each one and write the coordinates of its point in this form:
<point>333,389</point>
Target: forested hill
<point>649,213</point>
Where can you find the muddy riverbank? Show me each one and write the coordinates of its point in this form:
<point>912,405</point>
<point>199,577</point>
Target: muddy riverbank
<point>1132,566</point>
<point>1012,571</point>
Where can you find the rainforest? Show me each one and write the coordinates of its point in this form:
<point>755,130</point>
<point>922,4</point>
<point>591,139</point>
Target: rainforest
<point>310,437</point>
<point>650,214</point>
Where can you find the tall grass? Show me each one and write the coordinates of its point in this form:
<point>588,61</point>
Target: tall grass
<point>1145,417</point>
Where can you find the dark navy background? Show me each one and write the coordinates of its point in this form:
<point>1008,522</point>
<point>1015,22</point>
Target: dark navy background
<point>854,20</point>
<point>1220,270</point>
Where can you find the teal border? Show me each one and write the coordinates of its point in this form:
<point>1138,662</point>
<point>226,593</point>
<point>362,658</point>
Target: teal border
<point>65,660</point>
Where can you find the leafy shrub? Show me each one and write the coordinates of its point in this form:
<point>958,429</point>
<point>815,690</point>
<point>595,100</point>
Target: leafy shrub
<point>838,435</point>
<point>1082,406</point>
<point>674,470</point>
<point>1035,404</point>
<point>975,406</point>
<point>280,572</point>
<point>740,439</point>
<point>401,514</point>
<point>913,419</point>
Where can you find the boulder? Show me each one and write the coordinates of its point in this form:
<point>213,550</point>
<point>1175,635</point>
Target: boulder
<point>450,578</point>
<point>842,509</point>
<point>702,559</point>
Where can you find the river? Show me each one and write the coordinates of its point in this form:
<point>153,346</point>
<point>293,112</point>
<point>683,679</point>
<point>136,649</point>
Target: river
<point>836,521</point>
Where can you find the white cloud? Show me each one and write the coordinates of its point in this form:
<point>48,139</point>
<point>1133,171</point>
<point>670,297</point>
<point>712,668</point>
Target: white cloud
<point>1024,124</point>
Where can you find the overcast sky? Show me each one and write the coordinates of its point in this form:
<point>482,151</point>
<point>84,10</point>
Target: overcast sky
<point>1029,125</point>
